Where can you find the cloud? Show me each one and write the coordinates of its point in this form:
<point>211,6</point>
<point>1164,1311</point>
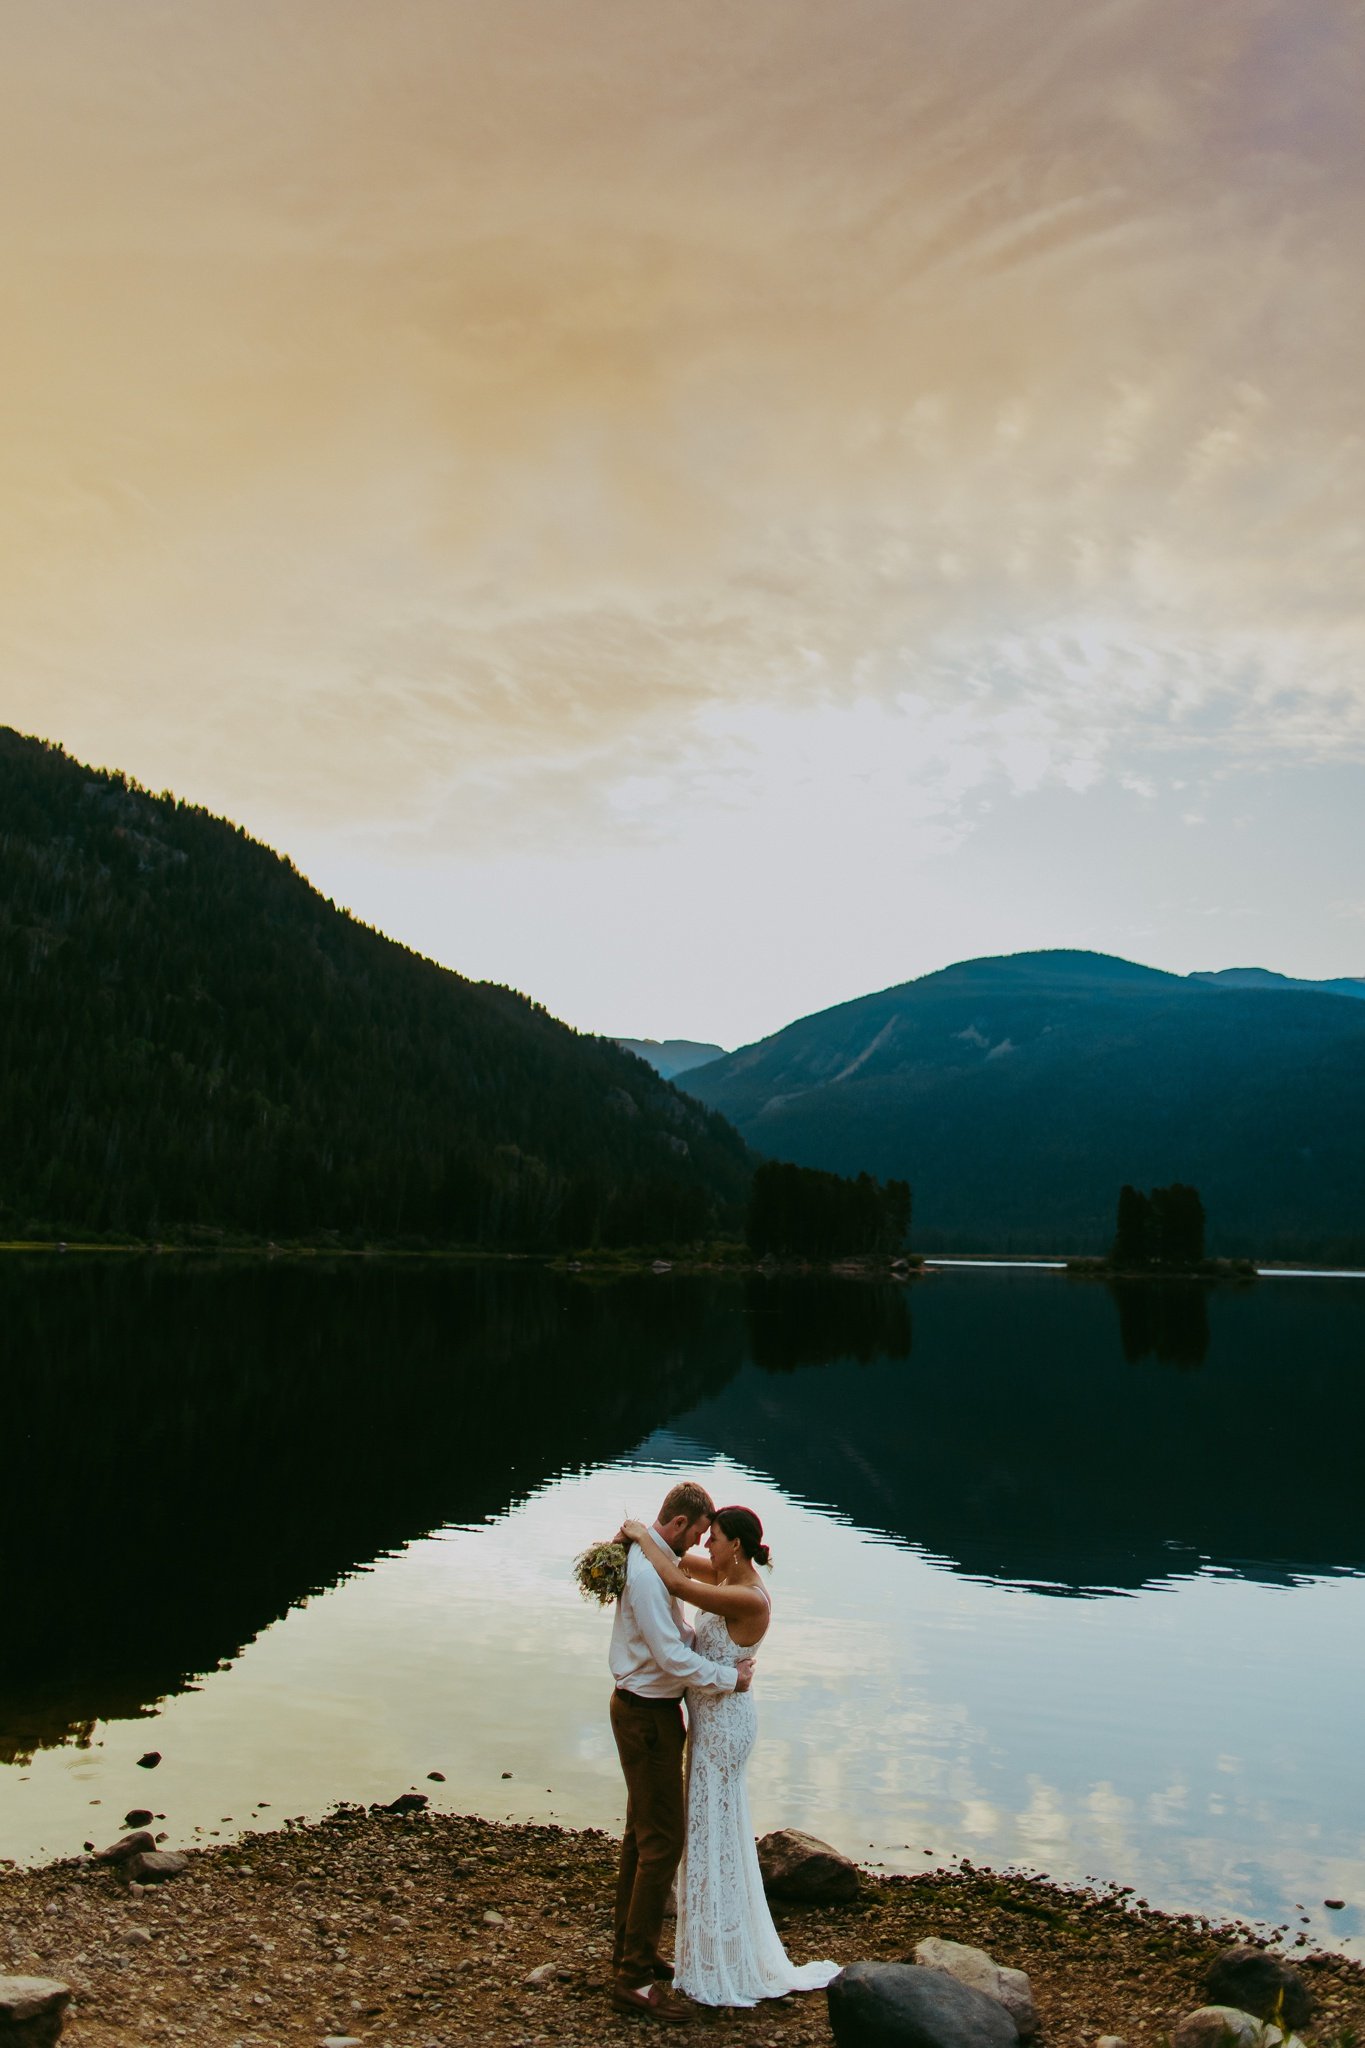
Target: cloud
<point>409,411</point>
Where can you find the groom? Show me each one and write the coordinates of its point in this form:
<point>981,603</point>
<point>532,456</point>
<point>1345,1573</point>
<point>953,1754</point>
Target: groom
<point>652,1662</point>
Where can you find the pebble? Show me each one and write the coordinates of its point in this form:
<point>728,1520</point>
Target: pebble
<point>492,1919</point>
<point>341,2041</point>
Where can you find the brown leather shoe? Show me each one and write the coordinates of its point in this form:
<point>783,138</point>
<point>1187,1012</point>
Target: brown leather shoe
<point>658,2003</point>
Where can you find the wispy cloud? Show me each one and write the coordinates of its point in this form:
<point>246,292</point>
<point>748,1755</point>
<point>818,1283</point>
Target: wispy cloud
<point>514,422</point>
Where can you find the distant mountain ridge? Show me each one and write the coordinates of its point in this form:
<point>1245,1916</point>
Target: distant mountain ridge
<point>672,1056</point>
<point>1018,1093</point>
<point>193,1039</point>
<point>1264,977</point>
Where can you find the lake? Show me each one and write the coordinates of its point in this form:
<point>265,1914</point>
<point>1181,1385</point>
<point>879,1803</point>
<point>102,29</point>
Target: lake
<point>1067,1576</point>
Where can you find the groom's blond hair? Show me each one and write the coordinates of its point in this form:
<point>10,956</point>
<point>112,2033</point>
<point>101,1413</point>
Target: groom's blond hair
<point>688,1499</point>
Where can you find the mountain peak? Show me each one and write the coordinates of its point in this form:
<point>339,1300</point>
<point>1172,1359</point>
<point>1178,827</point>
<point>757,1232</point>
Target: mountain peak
<point>1071,963</point>
<point>1018,1093</point>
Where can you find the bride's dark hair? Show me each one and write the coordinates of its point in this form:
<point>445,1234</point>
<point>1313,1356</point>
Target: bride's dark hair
<point>743,1527</point>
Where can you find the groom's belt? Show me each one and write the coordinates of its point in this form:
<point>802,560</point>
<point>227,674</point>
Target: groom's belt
<point>638,1699</point>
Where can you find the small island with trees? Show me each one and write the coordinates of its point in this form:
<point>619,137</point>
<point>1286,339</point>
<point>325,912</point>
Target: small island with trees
<point>1161,1236</point>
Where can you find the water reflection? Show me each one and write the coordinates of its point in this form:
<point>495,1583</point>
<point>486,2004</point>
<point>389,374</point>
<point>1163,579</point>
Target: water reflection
<point>192,1450</point>
<point>1018,1444</point>
<point>1167,1320</point>
<point>798,1322</point>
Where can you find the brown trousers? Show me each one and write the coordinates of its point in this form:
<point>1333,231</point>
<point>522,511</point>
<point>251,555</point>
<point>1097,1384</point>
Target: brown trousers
<point>649,1740</point>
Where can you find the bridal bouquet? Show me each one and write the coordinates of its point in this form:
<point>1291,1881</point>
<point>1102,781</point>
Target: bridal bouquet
<point>601,1572</point>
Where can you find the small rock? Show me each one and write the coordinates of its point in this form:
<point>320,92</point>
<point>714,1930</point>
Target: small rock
<point>800,1866</point>
<point>973,1966</point>
<point>1111,2041</point>
<point>1258,1983</point>
<point>52,1909</point>
<point>507,1774</point>
<point>541,1977</point>
<point>901,2005</point>
<point>492,1919</point>
<point>137,1937</point>
<point>124,1850</point>
<point>150,1760</point>
<point>1226,2026</point>
<point>341,2041</point>
<point>138,1817</point>
<point>1335,1905</point>
<point>156,1866</point>
<point>437,1777</point>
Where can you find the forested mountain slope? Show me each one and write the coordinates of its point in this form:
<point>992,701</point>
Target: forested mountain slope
<point>1017,1094</point>
<point>192,1038</point>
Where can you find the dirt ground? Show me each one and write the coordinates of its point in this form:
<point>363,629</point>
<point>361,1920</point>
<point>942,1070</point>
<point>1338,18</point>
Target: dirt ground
<point>420,1932</point>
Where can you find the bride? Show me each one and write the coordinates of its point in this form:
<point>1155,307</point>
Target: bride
<point>728,1951</point>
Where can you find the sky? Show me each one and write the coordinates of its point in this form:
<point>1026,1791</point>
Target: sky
<point>703,511</point>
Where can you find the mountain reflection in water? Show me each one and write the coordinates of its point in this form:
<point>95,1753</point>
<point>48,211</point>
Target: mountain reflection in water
<point>192,1449</point>
<point>1035,1437</point>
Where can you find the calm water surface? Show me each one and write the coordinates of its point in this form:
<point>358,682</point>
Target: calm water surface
<point>1066,1576</point>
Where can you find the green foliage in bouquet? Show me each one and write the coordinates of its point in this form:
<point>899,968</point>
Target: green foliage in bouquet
<point>601,1572</point>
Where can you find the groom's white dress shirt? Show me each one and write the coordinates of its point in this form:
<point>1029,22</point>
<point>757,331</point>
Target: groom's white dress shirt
<point>651,1645</point>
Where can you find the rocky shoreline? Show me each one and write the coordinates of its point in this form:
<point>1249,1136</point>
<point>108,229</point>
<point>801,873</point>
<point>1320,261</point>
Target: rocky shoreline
<point>423,1930</point>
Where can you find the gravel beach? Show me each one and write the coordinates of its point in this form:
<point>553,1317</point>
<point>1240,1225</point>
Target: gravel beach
<point>422,1931</point>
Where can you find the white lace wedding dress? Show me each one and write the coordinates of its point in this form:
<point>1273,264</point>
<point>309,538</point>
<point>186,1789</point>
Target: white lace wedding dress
<point>727,1951</point>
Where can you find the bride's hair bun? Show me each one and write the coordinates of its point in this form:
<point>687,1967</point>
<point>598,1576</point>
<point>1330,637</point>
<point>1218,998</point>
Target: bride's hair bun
<point>743,1527</point>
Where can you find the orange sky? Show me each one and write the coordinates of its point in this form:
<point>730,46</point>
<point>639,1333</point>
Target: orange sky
<point>496,449</point>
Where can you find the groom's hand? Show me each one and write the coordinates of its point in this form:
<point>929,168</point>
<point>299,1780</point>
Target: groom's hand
<point>745,1668</point>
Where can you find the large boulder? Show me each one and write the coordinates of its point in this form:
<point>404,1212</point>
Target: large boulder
<point>903,2005</point>
<point>1259,1983</point>
<point>973,1966</point>
<point>127,1847</point>
<point>801,1867</point>
<point>31,2011</point>
<point>1226,2026</point>
<point>410,1802</point>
